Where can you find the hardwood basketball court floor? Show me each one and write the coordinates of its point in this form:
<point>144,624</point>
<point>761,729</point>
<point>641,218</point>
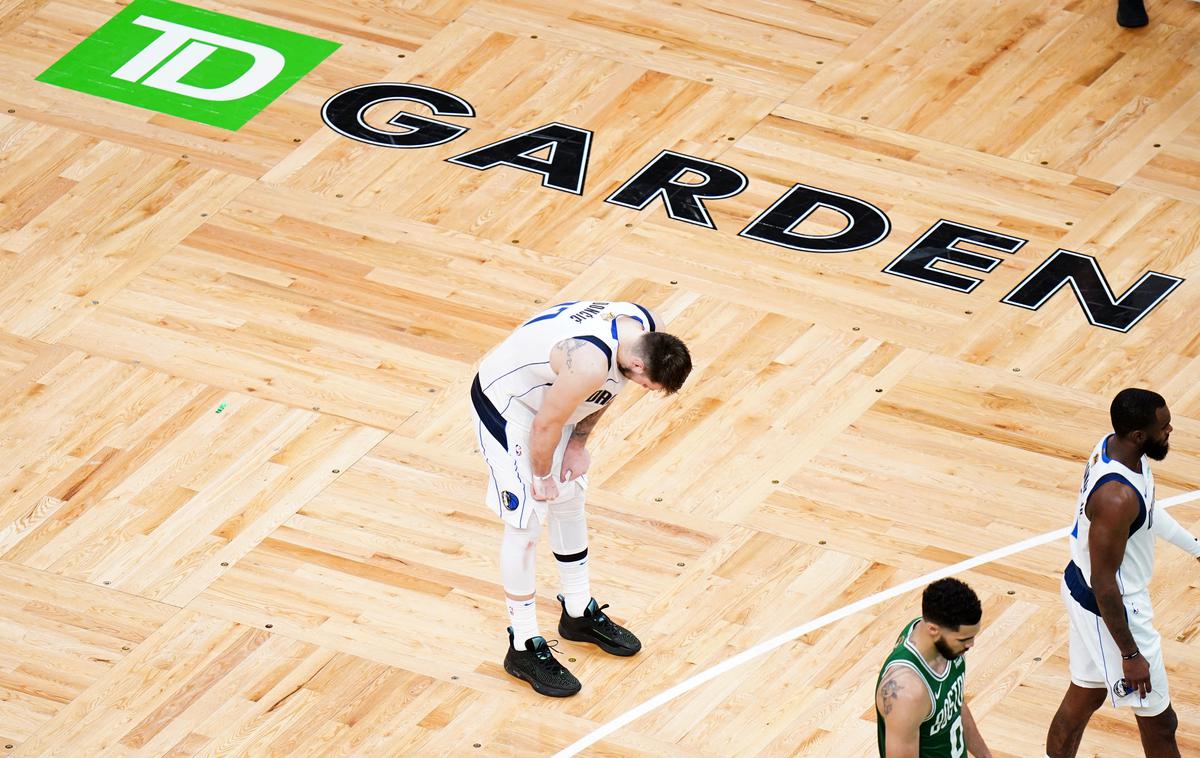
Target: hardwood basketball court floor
<point>242,511</point>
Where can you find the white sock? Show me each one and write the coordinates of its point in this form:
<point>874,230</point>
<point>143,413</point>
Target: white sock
<point>576,587</point>
<point>522,615</point>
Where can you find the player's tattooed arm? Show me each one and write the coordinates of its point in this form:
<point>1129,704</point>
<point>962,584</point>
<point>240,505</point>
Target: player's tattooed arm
<point>586,425</point>
<point>889,691</point>
<point>570,347</point>
<point>903,703</point>
<point>580,368</point>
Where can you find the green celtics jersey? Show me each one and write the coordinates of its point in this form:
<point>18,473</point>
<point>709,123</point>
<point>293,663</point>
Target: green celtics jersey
<point>942,731</point>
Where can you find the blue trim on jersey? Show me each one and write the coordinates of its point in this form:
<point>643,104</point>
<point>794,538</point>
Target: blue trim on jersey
<point>646,313</point>
<point>545,317</point>
<point>561,307</point>
<point>1079,589</point>
<point>1113,476</point>
<point>1141,517</point>
<point>1075,529</point>
<point>488,414</point>
<point>614,328</point>
<point>1104,450</point>
<point>604,348</point>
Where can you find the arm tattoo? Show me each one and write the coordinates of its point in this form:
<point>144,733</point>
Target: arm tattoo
<point>889,692</point>
<point>569,347</point>
<point>587,424</point>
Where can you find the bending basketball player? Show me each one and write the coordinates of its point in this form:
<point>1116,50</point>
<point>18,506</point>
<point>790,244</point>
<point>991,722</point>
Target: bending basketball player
<point>537,397</point>
<point>1115,653</point>
<point>920,705</point>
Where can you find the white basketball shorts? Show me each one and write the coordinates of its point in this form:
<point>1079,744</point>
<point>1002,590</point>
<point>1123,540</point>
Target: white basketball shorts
<point>1096,662</point>
<point>509,475</point>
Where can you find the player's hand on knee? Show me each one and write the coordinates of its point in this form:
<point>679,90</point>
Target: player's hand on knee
<point>544,489</point>
<point>575,463</point>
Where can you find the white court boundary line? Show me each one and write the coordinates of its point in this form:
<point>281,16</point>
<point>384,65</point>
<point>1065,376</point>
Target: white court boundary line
<point>762,648</point>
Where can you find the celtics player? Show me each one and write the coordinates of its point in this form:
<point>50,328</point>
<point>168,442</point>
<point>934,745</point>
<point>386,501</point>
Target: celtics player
<point>919,698</point>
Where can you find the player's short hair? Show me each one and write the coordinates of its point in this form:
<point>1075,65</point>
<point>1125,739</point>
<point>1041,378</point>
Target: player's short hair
<point>950,603</point>
<point>668,361</point>
<point>1133,409</point>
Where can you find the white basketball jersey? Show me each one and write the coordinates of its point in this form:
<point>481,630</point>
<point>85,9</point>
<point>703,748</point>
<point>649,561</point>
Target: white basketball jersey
<point>1133,575</point>
<point>515,374</point>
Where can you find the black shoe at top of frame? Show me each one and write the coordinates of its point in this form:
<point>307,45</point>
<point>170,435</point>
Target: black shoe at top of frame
<point>1131,14</point>
<point>596,627</point>
<point>537,666</point>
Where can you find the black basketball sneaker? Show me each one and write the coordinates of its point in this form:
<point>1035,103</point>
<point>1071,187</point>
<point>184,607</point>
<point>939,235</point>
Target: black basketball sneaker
<point>1131,14</point>
<point>596,627</point>
<point>536,665</point>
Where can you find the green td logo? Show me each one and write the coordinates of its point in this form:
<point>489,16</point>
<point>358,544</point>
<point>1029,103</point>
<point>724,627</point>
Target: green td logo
<point>188,62</point>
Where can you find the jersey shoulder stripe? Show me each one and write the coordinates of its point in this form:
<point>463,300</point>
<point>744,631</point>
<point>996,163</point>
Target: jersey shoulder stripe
<point>1114,476</point>
<point>604,348</point>
<point>649,319</point>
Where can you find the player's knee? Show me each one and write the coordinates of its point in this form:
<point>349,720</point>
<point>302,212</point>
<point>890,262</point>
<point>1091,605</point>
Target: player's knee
<point>1162,726</point>
<point>1083,701</point>
<point>1167,722</point>
<point>569,508</point>
<point>522,539</point>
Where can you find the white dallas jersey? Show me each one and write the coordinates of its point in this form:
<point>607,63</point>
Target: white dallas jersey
<point>1133,575</point>
<point>515,374</point>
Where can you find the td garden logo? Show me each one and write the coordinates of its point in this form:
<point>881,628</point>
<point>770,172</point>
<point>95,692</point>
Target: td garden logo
<point>559,153</point>
<point>188,62</point>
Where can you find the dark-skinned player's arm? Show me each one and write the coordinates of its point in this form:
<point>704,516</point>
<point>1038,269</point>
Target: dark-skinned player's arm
<point>972,736</point>
<point>580,369</point>
<point>904,702</point>
<point>1112,508</point>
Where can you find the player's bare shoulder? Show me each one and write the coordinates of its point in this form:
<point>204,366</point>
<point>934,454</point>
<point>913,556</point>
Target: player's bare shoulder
<point>902,694</point>
<point>1112,501</point>
<point>579,360</point>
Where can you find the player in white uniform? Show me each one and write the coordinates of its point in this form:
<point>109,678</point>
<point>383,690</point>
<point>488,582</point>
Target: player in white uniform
<point>537,397</point>
<point>1115,653</point>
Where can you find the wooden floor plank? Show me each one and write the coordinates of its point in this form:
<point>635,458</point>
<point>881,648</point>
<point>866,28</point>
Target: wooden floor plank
<point>61,636</point>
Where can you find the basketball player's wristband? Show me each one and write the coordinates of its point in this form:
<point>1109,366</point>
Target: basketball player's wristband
<point>1131,656</point>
